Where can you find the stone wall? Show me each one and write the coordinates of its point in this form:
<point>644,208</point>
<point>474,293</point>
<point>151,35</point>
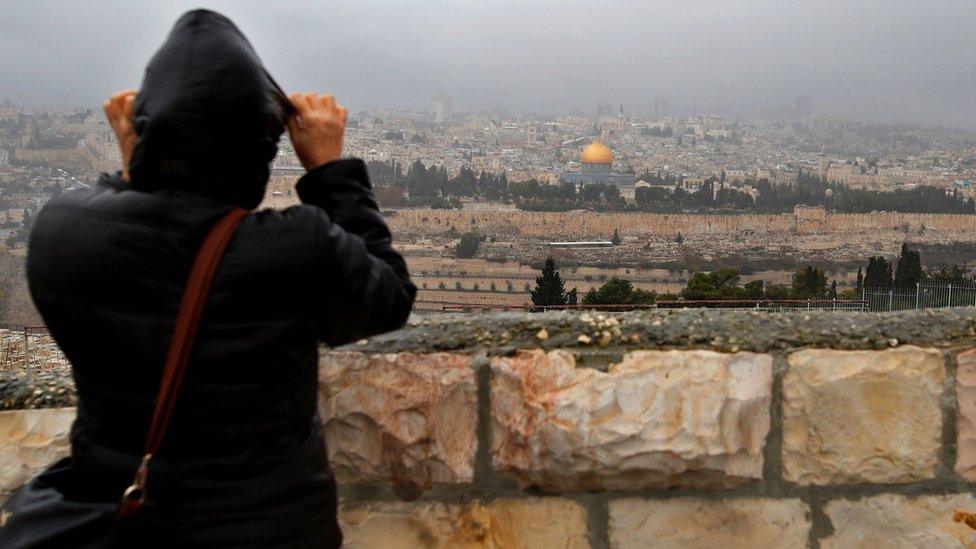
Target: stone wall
<point>663,428</point>
<point>574,224</point>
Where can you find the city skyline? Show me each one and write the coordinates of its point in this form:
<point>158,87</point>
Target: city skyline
<point>877,61</point>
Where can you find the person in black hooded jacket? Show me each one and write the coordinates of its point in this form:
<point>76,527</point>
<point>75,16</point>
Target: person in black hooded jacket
<point>243,463</point>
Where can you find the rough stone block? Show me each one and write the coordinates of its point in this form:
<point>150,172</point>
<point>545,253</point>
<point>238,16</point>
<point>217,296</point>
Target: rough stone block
<point>686,523</point>
<point>862,416</point>
<point>656,419</point>
<point>507,523</point>
<point>894,521</point>
<point>966,415</point>
<point>404,417</point>
<point>30,440</point>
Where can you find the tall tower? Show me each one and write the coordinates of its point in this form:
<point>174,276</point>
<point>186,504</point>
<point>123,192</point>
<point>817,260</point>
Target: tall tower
<point>824,163</point>
<point>442,107</point>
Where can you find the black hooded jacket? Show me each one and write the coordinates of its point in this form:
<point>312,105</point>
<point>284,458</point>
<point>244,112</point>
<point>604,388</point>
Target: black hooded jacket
<point>243,462</point>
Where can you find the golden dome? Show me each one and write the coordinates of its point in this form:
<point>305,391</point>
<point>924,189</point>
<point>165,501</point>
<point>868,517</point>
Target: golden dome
<point>596,153</point>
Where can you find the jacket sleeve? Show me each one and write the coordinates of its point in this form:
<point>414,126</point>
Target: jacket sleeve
<point>365,287</point>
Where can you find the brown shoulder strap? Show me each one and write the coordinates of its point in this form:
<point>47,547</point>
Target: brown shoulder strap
<point>184,333</point>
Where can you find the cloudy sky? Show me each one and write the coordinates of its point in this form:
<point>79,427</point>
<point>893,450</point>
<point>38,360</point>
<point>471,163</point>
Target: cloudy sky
<point>876,60</point>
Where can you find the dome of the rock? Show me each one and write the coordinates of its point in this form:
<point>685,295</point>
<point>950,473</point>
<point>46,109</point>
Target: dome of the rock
<point>596,153</point>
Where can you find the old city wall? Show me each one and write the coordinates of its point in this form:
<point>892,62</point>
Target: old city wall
<point>584,225</point>
<point>946,223</point>
<point>708,428</point>
<point>581,225</point>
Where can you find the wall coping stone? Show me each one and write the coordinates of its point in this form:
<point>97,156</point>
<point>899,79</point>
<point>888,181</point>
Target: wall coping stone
<point>715,329</point>
<point>606,337</point>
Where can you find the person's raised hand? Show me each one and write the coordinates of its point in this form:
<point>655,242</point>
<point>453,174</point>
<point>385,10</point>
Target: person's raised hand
<point>118,110</point>
<point>316,129</point>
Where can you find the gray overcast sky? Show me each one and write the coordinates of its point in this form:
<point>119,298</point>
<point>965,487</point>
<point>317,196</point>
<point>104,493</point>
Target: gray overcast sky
<point>910,60</point>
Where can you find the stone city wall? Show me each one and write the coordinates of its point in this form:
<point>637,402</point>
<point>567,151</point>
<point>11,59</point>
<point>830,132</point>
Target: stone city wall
<point>656,428</point>
<point>946,223</point>
<point>601,225</point>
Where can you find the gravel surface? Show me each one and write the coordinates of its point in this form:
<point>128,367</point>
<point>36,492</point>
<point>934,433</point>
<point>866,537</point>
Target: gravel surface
<point>23,392</point>
<point>609,334</point>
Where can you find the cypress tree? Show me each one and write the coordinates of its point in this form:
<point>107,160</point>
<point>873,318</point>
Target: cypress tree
<point>549,286</point>
<point>909,270</point>
<point>809,282</point>
<point>878,274</point>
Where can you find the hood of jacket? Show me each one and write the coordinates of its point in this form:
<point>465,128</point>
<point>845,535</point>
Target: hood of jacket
<point>208,115</point>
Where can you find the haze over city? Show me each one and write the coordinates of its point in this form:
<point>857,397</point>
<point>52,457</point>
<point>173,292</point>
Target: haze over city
<point>880,61</point>
<point>554,273</point>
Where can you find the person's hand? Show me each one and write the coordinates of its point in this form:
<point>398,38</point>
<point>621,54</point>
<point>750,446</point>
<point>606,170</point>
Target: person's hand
<point>118,110</point>
<point>316,129</point>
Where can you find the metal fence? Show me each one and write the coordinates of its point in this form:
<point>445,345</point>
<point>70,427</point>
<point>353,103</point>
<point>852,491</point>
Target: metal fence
<point>30,350</point>
<point>772,305</point>
<point>923,296</point>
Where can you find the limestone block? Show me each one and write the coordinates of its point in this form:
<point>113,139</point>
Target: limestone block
<point>894,521</point>
<point>687,523</point>
<point>403,417</point>
<point>966,415</point>
<point>862,416</point>
<point>656,419</point>
<point>531,523</point>
<point>30,440</point>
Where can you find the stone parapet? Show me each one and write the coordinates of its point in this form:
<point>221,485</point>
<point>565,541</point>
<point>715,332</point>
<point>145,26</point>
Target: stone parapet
<point>851,417</point>
<point>670,429</point>
<point>656,419</point>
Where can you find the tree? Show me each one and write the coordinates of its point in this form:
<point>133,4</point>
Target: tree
<point>550,289</point>
<point>754,289</point>
<point>618,291</point>
<point>878,273</point>
<point>956,274</point>
<point>777,292</point>
<point>615,239</point>
<point>860,280</point>
<point>809,283</point>
<point>468,246</point>
<point>465,184</point>
<point>909,271</point>
<point>615,291</point>
<point>720,284</point>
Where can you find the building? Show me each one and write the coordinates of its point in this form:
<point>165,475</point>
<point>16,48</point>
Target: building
<point>692,184</point>
<point>583,244</point>
<point>596,166</point>
<point>487,163</point>
<point>9,111</point>
<point>661,108</point>
<point>442,107</point>
<point>736,176</point>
